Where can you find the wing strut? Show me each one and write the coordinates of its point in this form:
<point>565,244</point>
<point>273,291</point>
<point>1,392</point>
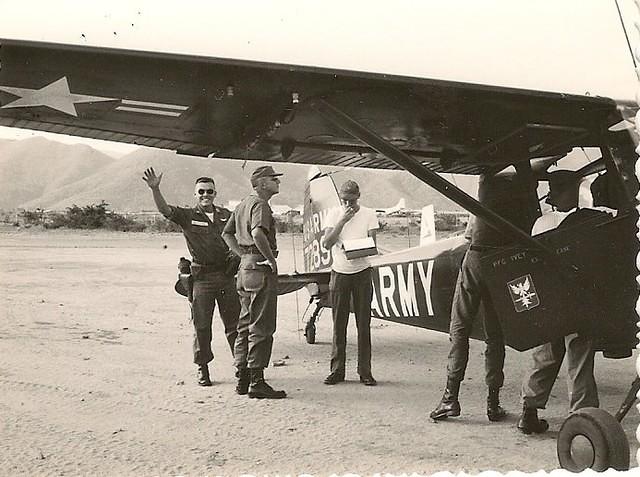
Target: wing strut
<point>414,167</point>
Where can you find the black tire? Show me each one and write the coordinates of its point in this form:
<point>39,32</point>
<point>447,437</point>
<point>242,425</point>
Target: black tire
<point>310,334</point>
<point>609,447</point>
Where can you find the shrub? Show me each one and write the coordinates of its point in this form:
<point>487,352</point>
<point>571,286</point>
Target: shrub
<point>32,217</point>
<point>448,222</point>
<point>285,225</point>
<point>92,216</point>
<point>121,223</point>
<point>55,220</point>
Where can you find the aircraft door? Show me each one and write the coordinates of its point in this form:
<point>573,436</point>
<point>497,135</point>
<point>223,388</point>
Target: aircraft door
<point>537,301</point>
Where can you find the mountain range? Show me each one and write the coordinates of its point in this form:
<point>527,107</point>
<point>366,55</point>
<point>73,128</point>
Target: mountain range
<point>42,173</point>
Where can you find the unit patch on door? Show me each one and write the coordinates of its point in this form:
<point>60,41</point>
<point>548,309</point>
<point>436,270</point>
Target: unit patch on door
<point>523,293</point>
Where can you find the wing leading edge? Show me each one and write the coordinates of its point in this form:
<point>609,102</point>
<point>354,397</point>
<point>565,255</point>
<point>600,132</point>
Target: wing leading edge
<point>250,110</point>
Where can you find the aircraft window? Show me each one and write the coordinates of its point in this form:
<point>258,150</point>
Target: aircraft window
<point>575,160</point>
<point>578,158</point>
<point>589,196</point>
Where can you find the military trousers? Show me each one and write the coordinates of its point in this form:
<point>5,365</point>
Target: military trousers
<point>209,289</point>
<point>258,292</point>
<point>344,290</point>
<point>547,360</point>
<point>470,293</point>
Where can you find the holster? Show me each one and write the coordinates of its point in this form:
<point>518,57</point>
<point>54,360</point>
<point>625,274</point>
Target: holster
<point>187,283</point>
<point>184,285</point>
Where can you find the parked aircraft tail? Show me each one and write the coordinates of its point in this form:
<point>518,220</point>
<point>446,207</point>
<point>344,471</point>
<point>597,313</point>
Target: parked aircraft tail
<point>427,226</point>
<point>399,207</point>
<point>320,197</point>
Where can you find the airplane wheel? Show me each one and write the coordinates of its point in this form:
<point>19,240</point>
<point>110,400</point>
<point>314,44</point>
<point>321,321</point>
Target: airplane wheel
<point>592,439</point>
<point>310,334</point>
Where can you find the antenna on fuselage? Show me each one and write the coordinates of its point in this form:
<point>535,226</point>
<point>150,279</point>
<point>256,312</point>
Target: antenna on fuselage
<point>624,29</point>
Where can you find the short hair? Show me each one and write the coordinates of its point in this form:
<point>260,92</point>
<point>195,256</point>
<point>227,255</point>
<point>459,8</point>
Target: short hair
<point>205,179</point>
<point>350,188</point>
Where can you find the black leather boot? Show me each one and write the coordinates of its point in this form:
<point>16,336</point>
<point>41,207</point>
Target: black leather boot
<point>259,389</point>
<point>203,375</point>
<point>529,421</point>
<point>242,386</point>
<point>494,410</point>
<point>449,405</point>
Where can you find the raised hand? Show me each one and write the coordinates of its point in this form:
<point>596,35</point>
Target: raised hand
<point>347,214</point>
<point>152,180</point>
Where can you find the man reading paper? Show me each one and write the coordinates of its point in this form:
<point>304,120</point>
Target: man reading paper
<point>350,279</point>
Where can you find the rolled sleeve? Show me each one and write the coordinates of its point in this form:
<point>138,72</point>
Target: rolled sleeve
<point>261,217</point>
<point>230,227</point>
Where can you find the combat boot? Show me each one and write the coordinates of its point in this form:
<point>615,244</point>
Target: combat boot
<point>449,405</point>
<point>203,375</point>
<point>529,421</point>
<point>244,378</point>
<point>494,410</point>
<point>259,389</point>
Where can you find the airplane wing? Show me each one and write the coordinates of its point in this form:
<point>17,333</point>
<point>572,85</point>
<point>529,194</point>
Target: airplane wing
<point>249,110</point>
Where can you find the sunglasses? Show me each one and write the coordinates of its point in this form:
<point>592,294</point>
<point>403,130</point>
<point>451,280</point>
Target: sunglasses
<point>206,191</point>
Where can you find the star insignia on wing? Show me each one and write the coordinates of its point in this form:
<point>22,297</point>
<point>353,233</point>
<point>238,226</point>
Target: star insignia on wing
<point>55,95</point>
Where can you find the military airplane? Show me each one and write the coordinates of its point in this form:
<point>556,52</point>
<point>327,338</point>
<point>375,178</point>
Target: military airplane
<point>399,207</point>
<point>578,278</point>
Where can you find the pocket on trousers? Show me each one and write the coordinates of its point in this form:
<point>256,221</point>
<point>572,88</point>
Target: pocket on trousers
<point>251,280</point>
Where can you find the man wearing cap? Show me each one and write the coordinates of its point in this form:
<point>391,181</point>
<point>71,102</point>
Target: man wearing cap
<point>547,358</point>
<point>211,268</point>
<point>513,197</point>
<point>350,280</point>
<point>251,233</point>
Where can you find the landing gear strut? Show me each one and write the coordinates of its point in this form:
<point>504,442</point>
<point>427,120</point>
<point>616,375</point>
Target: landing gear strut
<point>310,328</point>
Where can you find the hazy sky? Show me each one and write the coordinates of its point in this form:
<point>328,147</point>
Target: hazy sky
<point>573,46</point>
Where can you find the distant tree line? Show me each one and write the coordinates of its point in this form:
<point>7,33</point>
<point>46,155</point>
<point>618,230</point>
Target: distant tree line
<point>93,216</point>
<point>98,216</point>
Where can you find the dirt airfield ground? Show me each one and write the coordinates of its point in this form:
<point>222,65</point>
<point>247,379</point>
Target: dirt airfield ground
<point>97,379</point>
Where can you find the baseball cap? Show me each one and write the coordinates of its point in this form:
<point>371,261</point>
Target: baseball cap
<point>562,177</point>
<point>263,171</point>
